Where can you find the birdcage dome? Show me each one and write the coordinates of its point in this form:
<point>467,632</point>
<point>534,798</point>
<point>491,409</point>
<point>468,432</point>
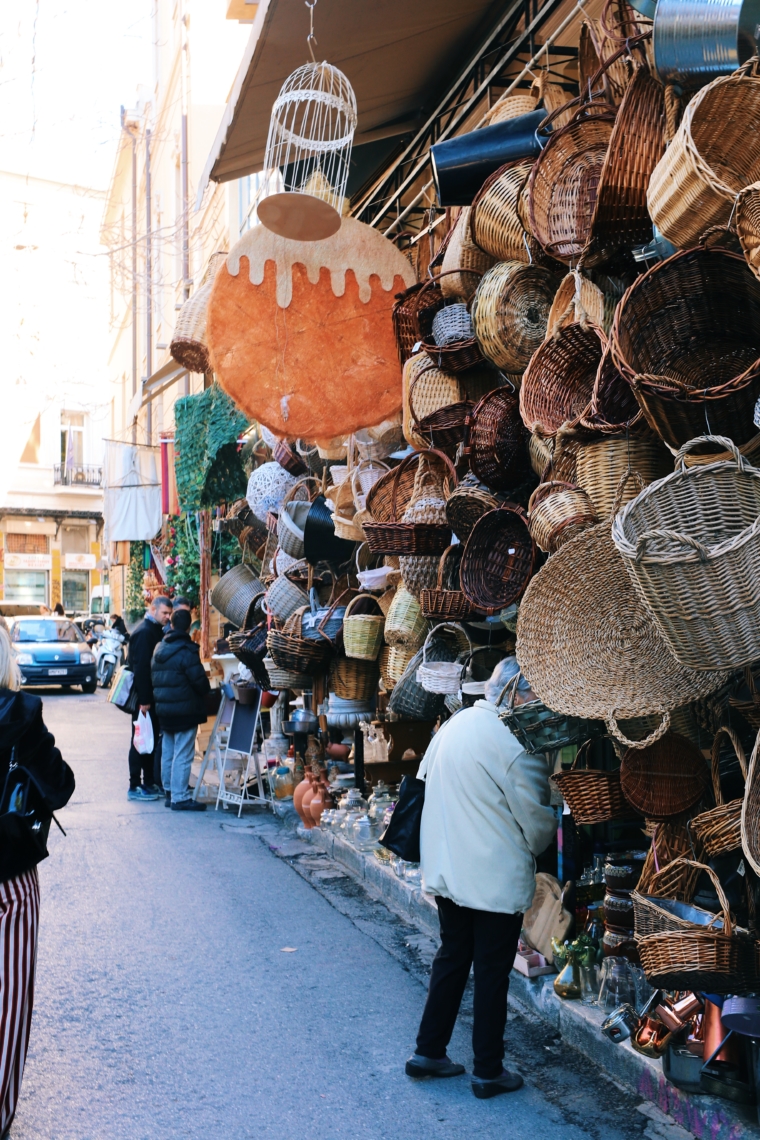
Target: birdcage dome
<point>311,132</point>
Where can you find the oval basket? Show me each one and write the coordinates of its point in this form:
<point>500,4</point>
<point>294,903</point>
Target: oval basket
<point>558,383</point>
<point>666,778</point>
<point>433,390</point>
<point>467,503</point>
<point>363,628</point>
<point>495,221</point>
<point>412,316</point>
<point>394,536</point>
<point>495,440</point>
<point>498,560</point>
<point>446,600</point>
<point>405,624</point>
<point>593,797</point>
<point>557,512</point>
<point>510,312</point>
<point>441,676</point>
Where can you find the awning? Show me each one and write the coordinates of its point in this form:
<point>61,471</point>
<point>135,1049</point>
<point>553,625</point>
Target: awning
<point>161,379</point>
<point>396,55</point>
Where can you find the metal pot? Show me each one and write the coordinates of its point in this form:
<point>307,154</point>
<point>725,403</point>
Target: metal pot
<point>462,164</point>
<point>695,41</point>
<point>742,1014</point>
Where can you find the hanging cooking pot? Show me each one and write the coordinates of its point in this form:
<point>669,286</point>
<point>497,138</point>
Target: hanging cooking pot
<point>695,41</point>
<point>462,164</point>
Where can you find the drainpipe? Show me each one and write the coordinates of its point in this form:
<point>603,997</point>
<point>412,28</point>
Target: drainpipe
<point>184,176</point>
<point>148,286</point>
<point>134,278</point>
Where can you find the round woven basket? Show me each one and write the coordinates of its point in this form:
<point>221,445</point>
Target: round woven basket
<point>284,679</point>
<point>267,488</point>
<point>464,263</point>
<point>577,301</point>
<point>687,337</point>
<point>354,680</point>
<point>601,464</point>
<point>510,311</point>
<point>588,647</point>
<point>747,222</point>
<point>412,315</point>
<point>394,661</point>
<point>445,600</point>
<point>441,676</point>
<point>405,624</point>
<point>666,778</point>
<point>471,499</point>
<point>719,830</point>
<point>236,593</point>
<point>558,383</point>
<point>592,797</point>
<point>713,156</point>
<point>287,457</point>
<point>495,220</point>
<point>557,512</point>
<point>433,389</point>
<point>509,107</point>
<point>188,345</point>
<point>613,408</point>
<point>498,560</point>
<point>495,440</point>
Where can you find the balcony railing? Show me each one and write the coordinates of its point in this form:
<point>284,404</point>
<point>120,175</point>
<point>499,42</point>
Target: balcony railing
<point>76,476</point>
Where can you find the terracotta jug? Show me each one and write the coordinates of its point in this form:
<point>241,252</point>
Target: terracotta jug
<point>306,799</point>
<point>298,795</point>
<point>320,800</point>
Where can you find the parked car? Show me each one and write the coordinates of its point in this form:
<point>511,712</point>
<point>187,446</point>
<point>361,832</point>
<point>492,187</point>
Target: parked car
<point>53,651</point>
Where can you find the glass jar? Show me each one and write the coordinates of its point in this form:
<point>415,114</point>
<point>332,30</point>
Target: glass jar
<point>618,910</point>
<point>378,802</point>
<point>413,874</point>
<point>283,783</point>
<point>361,832</point>
<point>617,986</point>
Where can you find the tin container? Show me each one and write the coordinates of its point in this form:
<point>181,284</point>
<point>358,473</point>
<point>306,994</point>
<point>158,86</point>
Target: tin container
<point>621,1024</point>
<point>695,41</point>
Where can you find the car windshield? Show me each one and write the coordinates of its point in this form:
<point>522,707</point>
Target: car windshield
<point>46,629</point>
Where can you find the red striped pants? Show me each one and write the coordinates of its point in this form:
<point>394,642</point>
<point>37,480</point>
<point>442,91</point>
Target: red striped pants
<point>19,923</point>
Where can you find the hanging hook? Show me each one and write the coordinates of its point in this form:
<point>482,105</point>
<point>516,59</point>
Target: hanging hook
<point>311,39</point>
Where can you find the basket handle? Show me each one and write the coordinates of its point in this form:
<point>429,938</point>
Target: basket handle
<point>728,923</point>
<point>356,599</point>
<point>725,443</point>
<point>544,487</point>
<point>328,615</point>
<point>662,728</point>
<point>675,536</point>
<point>444,625</point>
<point>715,760</point>
<point>442,563</point>
<point>629,473</point>
<point>750,778</point>
<point>416,457</point>
<point>428,368</point>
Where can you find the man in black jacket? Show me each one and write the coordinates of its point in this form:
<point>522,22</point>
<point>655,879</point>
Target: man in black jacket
<point>144,639</point>
<point>180,686</point>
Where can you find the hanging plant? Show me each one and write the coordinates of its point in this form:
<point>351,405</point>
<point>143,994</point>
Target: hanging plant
<point>136,582</point>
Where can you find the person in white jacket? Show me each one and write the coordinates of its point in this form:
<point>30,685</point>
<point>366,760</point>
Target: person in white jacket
<point>486,816</point>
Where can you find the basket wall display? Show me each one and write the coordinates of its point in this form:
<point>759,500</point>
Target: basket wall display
<point>577,301</point>
<point>698,362</point>
<point>267,488</point>
<point>691,544</point>
<point>601,464</point>
<point>558,511</point>
<point>510,311</point>
<point>664,779</point>
<point>495,222</point>
<point>593,797</point>
<point>471,499</point>
<point>352,679</point>
<point>498,560</point>
<point>394,661</point>
<point>441,676</point>
<point>719,830</point>
<point>614,407</point>
<point>704,958</point>
<point>236,593</point>
<point>589,648</point>
<point>363,626</point>
<point>715,153</point>
<point>391,496</point>
<point>445,600</point>
<point>413,314</point>
<point>559,380</point>
<point>495,440</point>
<point>464,263</point>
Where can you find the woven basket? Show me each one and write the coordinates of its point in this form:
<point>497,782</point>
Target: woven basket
<point>594,45</point>
<point>409,701</point>
<point>510,311</point>
<point>363,478</point>
<point>670,841</point>
<point>691,543</point>
<point>376,443</point>
<point>613,408</point>
<point>747,223</point>
<point>344,517</point>
<point>588,647</point>
<point>495,221</point>
<point>236,593</point>
<point>284,597</point>
<point>288,458</point>
<point>433,390</point>
<point>698,958</point>
<point>464,263</point>
<point>509,107</point>
<point>363,629</point>
<point>666,778</point>
<point>558,383</point>
<point>292,516</point>
<point>750,823</point>
<point>404,622</point>
<point>601,464</point>
<point>249,646</point>
<point>285,679</point>
<point>720,829</point>
<point>188,345</point>
<point>558,511</point>
<point>498,560</point>
<point>394,661</point>
<point>659,914</point>
<point>452,323</point>
<point>289,650</point>
<point>713,156</point>
<point>441,676</point>
<point>396,535</point>
<point>331,449</point>
<point>686,336</point>
<point>467,503</point>
<point>495,439</point>
<point>391,494</point>
<point>267,488</point>
<point>577,301</point>
<point>593,797</point>
<point>443,427</point>
<point>748,706</point>
<point>353,680</point>
<point>412,316</point>
<point>538,728</point>
<point>446,600</point>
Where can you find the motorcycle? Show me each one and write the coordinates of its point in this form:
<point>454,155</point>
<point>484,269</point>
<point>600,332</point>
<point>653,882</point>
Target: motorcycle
<point>110,655</point>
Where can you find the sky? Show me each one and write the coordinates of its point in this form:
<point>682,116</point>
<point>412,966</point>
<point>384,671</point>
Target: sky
<point>66,66</point>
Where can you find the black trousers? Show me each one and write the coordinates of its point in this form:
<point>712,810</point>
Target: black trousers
<point>488,942</point>
<point>145,767</point>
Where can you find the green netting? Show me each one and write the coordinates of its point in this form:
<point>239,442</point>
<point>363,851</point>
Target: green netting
<point>208,467</point>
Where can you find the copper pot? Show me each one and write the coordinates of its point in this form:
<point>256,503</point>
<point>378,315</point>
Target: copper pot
<point>714,1032</point>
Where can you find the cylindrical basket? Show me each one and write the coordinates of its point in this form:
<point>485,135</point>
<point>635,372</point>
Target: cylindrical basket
<point>363,628</point>
<point>601,464</point>
<point>495,220</point>
<point>405,624</point>
<point>558,382</point>
<point>236,593</point>
<point>353,680</point>
<point>558,511</point>
<point>495,440</point>
<point>593,797</point>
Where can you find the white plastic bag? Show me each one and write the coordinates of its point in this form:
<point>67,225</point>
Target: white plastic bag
<point>144,741</point>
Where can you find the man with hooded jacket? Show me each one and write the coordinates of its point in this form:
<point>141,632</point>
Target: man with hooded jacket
<point>180,687</point>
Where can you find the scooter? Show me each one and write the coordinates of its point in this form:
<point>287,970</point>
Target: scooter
<point>110,655</point>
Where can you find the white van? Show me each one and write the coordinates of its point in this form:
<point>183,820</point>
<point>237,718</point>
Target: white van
<point>100,600</point>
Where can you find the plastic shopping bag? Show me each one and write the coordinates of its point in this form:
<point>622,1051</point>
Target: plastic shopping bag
<point>144,734</point>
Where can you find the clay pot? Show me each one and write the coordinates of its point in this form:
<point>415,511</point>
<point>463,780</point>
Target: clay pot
<point>306,799</point>
<point>298,795</point>
<point>319,801</point>
<point>338,751</point>
<point>268,700</point>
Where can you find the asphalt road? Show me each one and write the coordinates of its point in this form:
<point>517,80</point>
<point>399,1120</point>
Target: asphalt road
<point>167,1008</point>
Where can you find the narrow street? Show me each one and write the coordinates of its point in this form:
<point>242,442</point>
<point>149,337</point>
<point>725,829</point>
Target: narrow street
<point>167,1008</point>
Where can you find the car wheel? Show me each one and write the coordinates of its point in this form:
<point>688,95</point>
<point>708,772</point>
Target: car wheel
<point>89,686</point>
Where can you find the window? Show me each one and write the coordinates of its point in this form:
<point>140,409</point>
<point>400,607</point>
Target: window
<point>45,629</point>
<point>75,540</point>
<point>72,439</point>
<point>31,453</point>
<point>26,543</point>
<point>26,587</point>
<point>75,589</point>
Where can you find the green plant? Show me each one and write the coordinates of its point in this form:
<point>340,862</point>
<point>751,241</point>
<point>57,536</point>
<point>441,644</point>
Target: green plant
<point>135,582</point>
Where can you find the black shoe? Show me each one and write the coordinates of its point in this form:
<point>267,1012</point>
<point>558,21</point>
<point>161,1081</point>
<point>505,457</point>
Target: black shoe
<point>168,800</point>
<point>418,1066</point>
<point>507,1082</point>
<point>188,805</point>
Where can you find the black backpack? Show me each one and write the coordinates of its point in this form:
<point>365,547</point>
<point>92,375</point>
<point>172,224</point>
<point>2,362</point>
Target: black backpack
<point>24,822</point>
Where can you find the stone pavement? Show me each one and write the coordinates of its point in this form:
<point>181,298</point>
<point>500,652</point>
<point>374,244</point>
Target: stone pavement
<point>168,1007</point>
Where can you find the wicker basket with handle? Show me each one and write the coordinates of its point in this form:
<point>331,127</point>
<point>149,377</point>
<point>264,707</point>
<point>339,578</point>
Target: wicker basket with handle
<point>446,599</point>
<point>297,654</point>
<point>720,829</point>
<point>577,301</point>
<point>363,626</point>
<point>614,408</point>
<point>510,312</point>
<point>593,797</point>
<point>498,559</point>
<point>495,440</point>
<point>442,428</point>
<point>557,511</point>
<point>188,345</point>
<point>600,464</point>
<point>495,220</point>
<point>665,778</point>
<point>442,676</point>
<point>471,499</point>
<point>413,314</point>
<point>396,536</point>
<point>558,383</point>
<point>464,263</point>
<point>394,661</point>
<point>352,679</point>
<point>433,390</point>
<point>405,623</point>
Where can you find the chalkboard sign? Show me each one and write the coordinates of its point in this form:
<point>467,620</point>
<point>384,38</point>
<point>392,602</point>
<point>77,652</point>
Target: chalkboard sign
<point>243,727</point>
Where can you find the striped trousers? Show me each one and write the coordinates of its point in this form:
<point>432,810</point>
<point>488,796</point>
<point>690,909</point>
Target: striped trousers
<point>19,923</point>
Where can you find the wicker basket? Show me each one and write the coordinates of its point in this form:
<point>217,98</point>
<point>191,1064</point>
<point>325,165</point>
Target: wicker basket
<point>558,383</point>
<point>593,797</point>
<point>664,779</point>
<point>363,629</point>
<point>396,535</point>
<point>288,458</point>
<point>394,661</point>
<point>452,323</point>
<point>657,914</point>
<point>704,958</point>
<point>509,107</point>
<point>613,408</point>
<point>495,221</point>
<point>413,314</point>
<point>558,511</point>
<point>748,706</point>
<point>443,427</point>
<point>249,646</point>
<point>285,679</point>
<point>720,829</point>
<point>687,337</point>
<point>441,676</point>
<point>390,495</point>
<point>353,680</point>
<point>446,600</point>
<point>344,517</point>
<point>433,390</point>
<point>363,478</point>
<point>594,46</point>
<point>464,263</point>
<point>577,301</point>
<point>284,597</point>
<point>298,654</point>
<point>510,311</point>
<point>670,841</point>
<point>601,464</point>
<point>747,222</point>
<point>409,700</point>
<point>495,440</point>
<point>498,560</point>
<point>750,823</point>
<point>267,488</point>
<point>188,345</point>
<point>467,503</point>
<point>713,156</point>
<point>538,728</point>
<point>405,624</point>
<point>236,594</point>
<point>691,543</point>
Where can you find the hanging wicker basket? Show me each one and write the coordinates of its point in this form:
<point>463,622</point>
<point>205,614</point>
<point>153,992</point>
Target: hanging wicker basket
<point>363,626</point>
<point>464,263</point>
<point>395,536</point>
<point>498,560</point>
<point>446,600</point>
<point>510,311</point>
<point>287,457</point>
<point>467,503</point>
<point>280,679</point>
<point>394,661</point>
<point>353,680</point>
<point>664,779</point>
<point>413,314</point>
<point>720,829</point>
<point>601,464</point>
<point>613,409</point>
<point>495,221</point>
<point>405,624</point>
<point>442,428</point>
<point>495,440</point>
<point>433,391</point>
<point>691,543</point>
<point>284,597</point>
<point>593,797</point>
<point>189,346</point>
<point>557,512</point>
<point>577,301</point>
<point>538,728</point>
<point>441,676</point>
<point>297,654</point>
<point>236,593</point>
<point>558,383</point>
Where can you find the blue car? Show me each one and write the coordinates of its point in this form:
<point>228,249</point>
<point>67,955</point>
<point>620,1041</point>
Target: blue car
<point>53,651</point>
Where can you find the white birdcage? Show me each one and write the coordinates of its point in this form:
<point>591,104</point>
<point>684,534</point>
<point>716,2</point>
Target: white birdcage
<point>309,147</point>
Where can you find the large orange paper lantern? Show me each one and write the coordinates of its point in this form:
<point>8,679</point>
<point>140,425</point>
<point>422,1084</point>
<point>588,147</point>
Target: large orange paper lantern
<point>300,333</point>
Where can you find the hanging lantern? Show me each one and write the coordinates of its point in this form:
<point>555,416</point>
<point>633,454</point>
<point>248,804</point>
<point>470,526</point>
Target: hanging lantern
<point>309,148</point>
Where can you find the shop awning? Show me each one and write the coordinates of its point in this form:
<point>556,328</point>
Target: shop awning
<point>161,379</point>
<point>396,55</point>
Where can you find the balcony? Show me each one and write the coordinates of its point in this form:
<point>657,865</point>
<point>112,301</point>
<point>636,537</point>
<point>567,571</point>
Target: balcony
<point>76,476</point>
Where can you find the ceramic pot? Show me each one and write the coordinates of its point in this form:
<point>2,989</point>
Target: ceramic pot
<point>319,801</point>
<point>298,796</point>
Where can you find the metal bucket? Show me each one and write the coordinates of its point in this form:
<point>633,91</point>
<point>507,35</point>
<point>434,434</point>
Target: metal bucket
<point>695,41</point>
<point>462,164</point>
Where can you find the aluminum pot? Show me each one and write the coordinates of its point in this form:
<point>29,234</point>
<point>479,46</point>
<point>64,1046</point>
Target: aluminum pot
<point>695,41</point>
<point>462,164</point>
